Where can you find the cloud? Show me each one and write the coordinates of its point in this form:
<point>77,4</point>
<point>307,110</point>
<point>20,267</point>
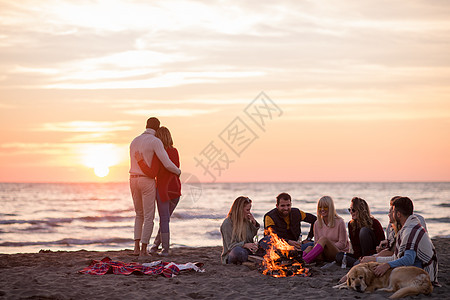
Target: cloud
<point>176,112</point>
<point>86,126</point>
<point>120,45</point>
<point>91,137</point>
<point>34,148</point>
<point>104,79</point>
<point>87,131</point>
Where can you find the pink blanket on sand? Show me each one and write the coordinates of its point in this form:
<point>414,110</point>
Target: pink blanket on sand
<point>106,265</point>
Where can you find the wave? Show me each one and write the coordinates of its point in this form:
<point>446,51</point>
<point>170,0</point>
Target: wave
<point>438,220</point>
<point>104,218</point>
<point>444,236</point>
<point>304,201</point>
<point>342,211</point>
<point>424,199</point>
<point>7,215</point>
<point>186,216</point>
<point>126,227</point>
<point>42,228</point>
<point>379,212</point>
<point>68,242</point>
<point>54,222</point>
<point>443,205</point>
<point>51,222</point>
<point>213,234</point>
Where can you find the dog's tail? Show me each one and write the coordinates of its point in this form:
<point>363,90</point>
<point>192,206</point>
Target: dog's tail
<point>420,285</point>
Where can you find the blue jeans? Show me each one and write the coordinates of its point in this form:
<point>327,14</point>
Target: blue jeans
<point>306,245</point>
<point>165,210</point>
<point>237,255</point>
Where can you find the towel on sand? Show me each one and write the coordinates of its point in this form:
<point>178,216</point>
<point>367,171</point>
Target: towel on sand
<point>106,265</point>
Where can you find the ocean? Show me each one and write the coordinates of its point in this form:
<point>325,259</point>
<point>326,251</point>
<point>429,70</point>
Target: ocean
<point>100,216</point>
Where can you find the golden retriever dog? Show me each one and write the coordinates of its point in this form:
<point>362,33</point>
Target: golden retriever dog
<point>404,281</point>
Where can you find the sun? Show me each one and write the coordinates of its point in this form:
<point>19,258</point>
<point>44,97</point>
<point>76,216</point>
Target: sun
<point>101,171</point>
<point>100,157</point>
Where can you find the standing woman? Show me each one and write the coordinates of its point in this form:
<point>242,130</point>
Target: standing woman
<point>329,232</point>
<point>168,189</point>
<point>364,230</point>
<point>238,230</point>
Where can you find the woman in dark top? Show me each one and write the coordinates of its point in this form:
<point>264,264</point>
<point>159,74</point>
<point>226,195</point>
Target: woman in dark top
<point>364,230</point>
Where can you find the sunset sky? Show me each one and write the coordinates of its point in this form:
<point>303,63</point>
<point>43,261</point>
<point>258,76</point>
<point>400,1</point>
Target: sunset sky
<point>288,91</point>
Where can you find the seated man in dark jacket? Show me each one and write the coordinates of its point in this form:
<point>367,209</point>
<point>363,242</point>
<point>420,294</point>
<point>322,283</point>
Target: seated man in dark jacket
<point>285,221</point>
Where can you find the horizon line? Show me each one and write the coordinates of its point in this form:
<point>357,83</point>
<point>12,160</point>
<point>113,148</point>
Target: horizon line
<point>223,182</point>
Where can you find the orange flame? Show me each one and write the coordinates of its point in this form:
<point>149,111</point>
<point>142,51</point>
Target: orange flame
<point>271,262</point>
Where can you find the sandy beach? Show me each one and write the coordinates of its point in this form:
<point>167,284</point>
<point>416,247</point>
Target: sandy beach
<point>55,275</point>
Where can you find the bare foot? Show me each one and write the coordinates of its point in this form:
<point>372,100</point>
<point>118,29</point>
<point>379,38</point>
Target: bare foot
<point>137,248</point>
<point>144,254</point>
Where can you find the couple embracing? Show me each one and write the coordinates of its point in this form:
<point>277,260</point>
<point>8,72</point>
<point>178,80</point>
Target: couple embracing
<point>152,155</point>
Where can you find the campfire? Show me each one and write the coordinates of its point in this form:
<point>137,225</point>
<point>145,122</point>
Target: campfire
<point>282,260</point>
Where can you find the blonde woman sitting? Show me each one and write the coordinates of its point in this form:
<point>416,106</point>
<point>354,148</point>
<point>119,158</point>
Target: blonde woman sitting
<point>329,232</point>
<point>238,231</point>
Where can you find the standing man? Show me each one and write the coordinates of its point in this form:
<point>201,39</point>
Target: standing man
<point>285,222</point>
<point>143,188</point>
<point>413,245</point>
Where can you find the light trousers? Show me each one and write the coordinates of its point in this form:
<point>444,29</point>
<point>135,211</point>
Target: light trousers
<point>143,191</point>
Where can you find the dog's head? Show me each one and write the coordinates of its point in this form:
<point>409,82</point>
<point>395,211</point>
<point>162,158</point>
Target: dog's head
<point>359,277</point>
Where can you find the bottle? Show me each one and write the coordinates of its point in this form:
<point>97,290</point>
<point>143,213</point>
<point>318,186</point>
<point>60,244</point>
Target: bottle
<point>328,265</point>
<point>344,261</point>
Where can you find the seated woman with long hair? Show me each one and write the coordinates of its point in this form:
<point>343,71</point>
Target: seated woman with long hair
<point>364,230</point>
<point>329,232</point>
<point>238,231</point>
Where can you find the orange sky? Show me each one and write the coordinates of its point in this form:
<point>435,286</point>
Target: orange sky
<point>353,90</point>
